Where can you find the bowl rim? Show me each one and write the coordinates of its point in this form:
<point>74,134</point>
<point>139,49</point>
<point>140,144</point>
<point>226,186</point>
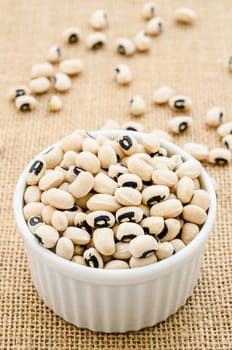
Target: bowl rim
<point>115,277</point>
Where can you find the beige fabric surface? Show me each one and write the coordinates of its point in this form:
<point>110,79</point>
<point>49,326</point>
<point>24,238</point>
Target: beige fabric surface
<point>190,59</point>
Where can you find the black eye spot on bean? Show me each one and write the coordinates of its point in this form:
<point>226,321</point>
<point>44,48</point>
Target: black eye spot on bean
<point>98,45</point>
<point>226,144</point>
<point>131,128</point>
<point>35,220</point>
<point>157,154</point>
<point>76,170</point>
<point>146,230</point>
<point>127,238</point>
<point>183,126</point>
<point>36,167</point>
<point>121,50</point>
<point>221,161</point>
<point>155,199</point>
<point>73,38</point>
<point>163,233</point>
<point>84,225</point>
<point>126,142</point>
<point>20,92</point>
<point>58,51</point>
<point>64,168</point>
<point>92,261</point>
<point>117,70</point>
<point>148,252</point>
<point>126,217</point>
<point>132,184</point>
<point>72,209</point>
<point>101,221</point>
<point>25,107</point>
<point>152,10</point>
<point>160,26</point>
<point>38,238</point>
<point>148,183</point>
<point>220,116</point>
<point>179,104</point>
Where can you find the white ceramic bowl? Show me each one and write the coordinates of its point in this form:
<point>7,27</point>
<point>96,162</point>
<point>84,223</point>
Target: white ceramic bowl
<point>115,300</point>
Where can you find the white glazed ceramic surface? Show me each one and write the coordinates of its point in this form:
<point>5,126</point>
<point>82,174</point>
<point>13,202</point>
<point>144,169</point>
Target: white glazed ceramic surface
<point>115,300</point>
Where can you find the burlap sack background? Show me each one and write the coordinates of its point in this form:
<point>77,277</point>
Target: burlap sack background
<point>190,59</point>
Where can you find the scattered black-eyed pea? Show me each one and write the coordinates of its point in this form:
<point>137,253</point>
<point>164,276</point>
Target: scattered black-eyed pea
<point>71,66</point>
<point>227,142</point>
<point>177,244</point>
<point>128,196</point>
<point>219,156</point>
<point>61,82</point>
<point>60,199</point>
<point>88,162</point>
<point>129,214</point>
<point>194,214</point>
<point>71,35</point>
<point>123,74</point>
<point>99,20</point>
<point>162,95</point>
<point>116,265</point>
<point>77,235</point>
<point>167,209</point>
<point>165,250</point>
<point>78,260</point>
<point>128,230</point>
<point>185,189</point>
<point>230,64</point>
<point>106,156</point>
<point>137,106</point>
<point>116,170</point>
<point>54,54</point>
<point>224,129</point>
<point>55,104</point>
<point>42,70</point>
<point>59,220</point>
<point>130,180</point>
<point>164,177</point>
<point>36,171</point>
<point>80,220</point>
<point>185,15</point>
<point>143,246</point>
<point>142,42</point>
<point>201,198</point>
<point>34,222</point>
<point>103,202</point>
<point>179,124</point>
<point>103,239</point>
<point>170,231</point>
<point>65,248</point>
<point>25,103</point>
<point>18,91</point>
<point>125,47</point>
<point>39,85</point>
<point>127,143</point>
<point>154,194</point>
<point>140,167</point>
<point>72,142</point>
<point>104,184</point>
<point>47,236</point>
<point>53,157</point>
<point>121,251</point>
<point>214,117</point>
<point>100,219</point>
<point>148,10</point>
<point>95,41</point>
<point>133,126</point>
<point>153,225</point>
<point>82,185</point>
<point>155,26</point>
<point>190,168</point>
<point>90,145</point>
<point>54,178</point>
<point>180,103</point>
<point>109,124</point>
<point>47,213</point>
<point>32,194</point>
<point>139,262</point>
<point>93,258</point>
<point>197,150</point>
<point>189,232</point>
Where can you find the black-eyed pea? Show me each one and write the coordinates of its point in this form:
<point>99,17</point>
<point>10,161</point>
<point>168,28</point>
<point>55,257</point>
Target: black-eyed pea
<point>164,177</point>
<point>82,202</point>
<point>32,209</point>
<point>82,185</point>
<point>47,213</point>
<point>177,244</point>
<point>72,142</point>
<point>71,66</point>
<point>127,143</point>
<point>90,145</point>
<point>62,82</point>
<point>194,214</point>
<point>154,194</point>
<point>71,35</point>
<point>179,124</point>
<point>93,258</point>
<point>121,251</point>
<point>133,126</point>
<point>53,157</point>
<point>25,103</point>
<point>117,148</point>
<point>18,91</point>
<point>143,246</point>
<point>185,189</point>
<point>137,106</point>
<point>52,179</point>
<point>55,104</point>
<point>77,235</point>
<point>103,239</point>
<point>197,150</point>
<point>116,265</point>
<point>128,230</point>
<point>219,156</point>
<point>98,20</point>
<point>123,74</point>
<point>225,129</point>
<point>101,139</point>
<point>54,54</point>
<point>177,160</point>
<point>162,95</point>
<point>36,171</point>
<point>189,232</point>
<point>142,42</point>
<point>107,156</point>
<point>128,196</point>
<point>167,209</point>
<point>71,214</point>
<point>104,184</point>
<point>227,142</point>
<point>65,248</point>
<point>184,15</point>
<point>42,70</point>
<point>140,167</point>
<point>161,152</point>
<point>180,103</point>
<point>201,198</point>
<point>155,26</point>
<point>60,199</point>
<point>47,236</point>
<point>34,222</point>
<point>197,184</point>
<point>88,162</point>
<point>64,186</point>
<point>140,262</point>
<point>59,221</point>
<point>165,250</point>
<point>153,225</point>
<point>78,260</point>
<point>125,47</point>
<point>95,41</point>
<point>130,180</point>
<point>170,231</point>
<point>103,202</point>
<point>172,196</point>
<point>214,117</point>
<point>190,168</point>
<point>151,143</point>
<point>148,10</point>
<point>32,194</point>
<point>100,219</point>
<point>145,209</point>
<point>164,162</point>
<point>80,221</point>
<point>39,85</point>
<point>129,214</point>
<point>116,170</point>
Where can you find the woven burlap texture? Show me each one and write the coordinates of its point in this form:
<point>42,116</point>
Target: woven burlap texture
<point>190,59</point>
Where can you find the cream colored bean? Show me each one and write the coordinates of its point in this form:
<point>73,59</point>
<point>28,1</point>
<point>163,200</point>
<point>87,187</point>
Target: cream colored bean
<point>128,230</point>
<point>155,194</point>
<point>103,239</point>
<point>72,142</point>
<point>80,221</point>
<point>164,177</point>
<point>177,244</point>
<point>116,265</point>
<point>162,95</point>
<point>59,220</point>
<point>184,15</point>
<point>166,162</point>
<point>201,198</point>
<point>32,194</point>
<point>162,134</point>
<point>82,202</point>
<point>71,66</point>
<point>109,124</point>
<point>78,260</point>
<point>197,184</point>
<point>98,20</point>
<point>161,152</point>
<point>189,232</point>
<point>137,106</point>
<point>93,258</point>
<point>103,202</point>
<point>54,54</point>
<point>128,196</point>
<point>190,168</point>
<point>129,214</point>
<point>90,145</point>
<point>125,47</point>
<point>145,209</point>
<point>42,70</point>
<point>133,126</point>
<point>151,143</point>
<point>123,74</point>
<point>71,35</point>
<point>227,142</point>
<point>127,143</point>
<point>117,148</point>
<point>179,124</point>
<point>32,209</point>
<point>149,10</point>
<point>107,156</point>
<point>142,42</point>
<point>130,180</point>
<point>214,117</point>
<point>34,222</point>
<point>25,103</point>
<point>82,185</point>
<point>71,214</point>
<point>65,248</point>
<point>194,214</point>
<point>40,85</point>
<point>47,213</point>
<point>121,251</point>
<point>143,246</point>
<point>153,225</point>
<point>170,231</point>
<point>88,162</point>
<point>224,129</point>
<point>197,150</point>
<point>165,250</point>
<point>50,180</point>
<point>60,199</point>
<point>77,235</point>
<point>104,184</point>
<point>53,157</point>
<point>219,156</point>
<point>140,262</point>
<point>36,171</point>
<point>180,103</point>
<point>155,26</point>
<point>17,91</point>
<point>95,41</point>
<point>185,189</point>
<point>167,209</point>
<point>100,218</point>
<point>55,104</point>
<point>62,82</point>
<point>116,170</point>
<point>140,167</point>
<point>47,236</point>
